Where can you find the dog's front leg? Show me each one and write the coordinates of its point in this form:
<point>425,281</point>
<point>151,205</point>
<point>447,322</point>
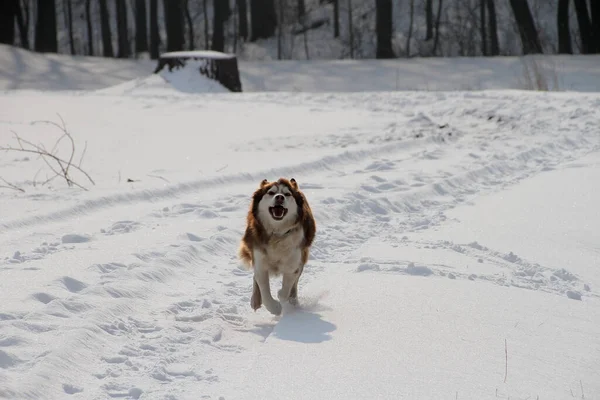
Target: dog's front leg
<point>261,278</point>
<point>289,287</point>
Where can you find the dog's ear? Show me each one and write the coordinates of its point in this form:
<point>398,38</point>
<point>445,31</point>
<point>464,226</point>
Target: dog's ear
<point>294,184</point>
<point>263,183</point>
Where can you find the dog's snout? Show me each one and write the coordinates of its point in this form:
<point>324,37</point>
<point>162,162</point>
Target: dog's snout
<point>279,198</point>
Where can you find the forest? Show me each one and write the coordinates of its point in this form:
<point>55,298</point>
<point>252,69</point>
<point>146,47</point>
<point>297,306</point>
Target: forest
<point>303,29</point>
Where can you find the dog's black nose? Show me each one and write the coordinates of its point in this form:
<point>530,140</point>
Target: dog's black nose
<point>279,198</point>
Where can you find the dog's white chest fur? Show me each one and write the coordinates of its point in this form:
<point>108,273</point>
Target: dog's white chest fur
<point>282,254</point>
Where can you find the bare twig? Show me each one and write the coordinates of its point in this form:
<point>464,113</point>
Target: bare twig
<point>581,384</point>
<point>505,360</point>
<point>158,177</point>
<point>59,166</point>
<point>9,185</point>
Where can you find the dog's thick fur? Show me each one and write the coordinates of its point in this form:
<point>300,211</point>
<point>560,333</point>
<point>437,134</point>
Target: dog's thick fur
<point>276,245</point>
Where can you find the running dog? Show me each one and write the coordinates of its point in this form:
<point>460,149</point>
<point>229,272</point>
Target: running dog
<point>280,230</point>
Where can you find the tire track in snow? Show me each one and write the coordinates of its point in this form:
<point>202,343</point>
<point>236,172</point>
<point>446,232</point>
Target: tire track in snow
<point>173,191</point>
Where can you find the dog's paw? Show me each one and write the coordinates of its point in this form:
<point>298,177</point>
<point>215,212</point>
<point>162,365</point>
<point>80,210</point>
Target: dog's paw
<point>293,301</point>
<point>282,298</point>
<point>274,307</point>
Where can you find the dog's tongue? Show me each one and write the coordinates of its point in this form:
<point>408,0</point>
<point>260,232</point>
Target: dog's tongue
<point>278,211</point>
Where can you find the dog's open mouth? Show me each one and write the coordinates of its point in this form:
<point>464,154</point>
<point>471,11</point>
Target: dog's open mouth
<point>278,212</point>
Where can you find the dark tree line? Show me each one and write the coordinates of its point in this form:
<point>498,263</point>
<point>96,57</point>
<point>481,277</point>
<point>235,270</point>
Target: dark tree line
<point>255,20</point>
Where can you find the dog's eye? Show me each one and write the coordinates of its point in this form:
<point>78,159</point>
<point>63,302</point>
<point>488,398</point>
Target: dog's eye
<point>287,194</point>
<point>271,193</point>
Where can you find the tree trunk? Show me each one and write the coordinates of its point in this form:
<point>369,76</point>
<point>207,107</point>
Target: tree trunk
<point>69,21</point>
<point>222,69</point>
<point>351,28</point>
<point>154,33</point>
<point>529,37</point>
<point>429,19</point>
<point>301,8</point>
<point>174,24</point>
<point>410,27</point>
<point>243,19</point>
<point>23,24</point>
<point>336,18</point>
<point>141,27</point>
<point>595,11</point>
<point>585,27</point>
<point>280,31</point>
<point>219,15</point>
<point>263,17</point>
<point>45,27</point>
<point>436,40</point>
<point>107,50</point>
<point>90,31</point>
<point>121,14</point>
<point>383,18</point>
<point>484,40</point>
<point>190,25</point>
<point>8,12</point>
<point>493,26</point>
<point>564,32</point>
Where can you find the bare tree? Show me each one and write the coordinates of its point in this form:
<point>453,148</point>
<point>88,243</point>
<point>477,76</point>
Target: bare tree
<point>154,33</point>
<point>493,26</point>
<point>174,24</point>
<point>90,31</point>
<point>595,11</point>
<point>564,32</point>
<point>122,31</point>
<point>429,19</point>
<point>107,50</point>
<point>190,24</point>
<point>383,17</point>
<point>205,13</point>
<point>69,23</point>
<point>280,29</point>
<point>45,27</point>
<point>23,22</point>
<point>336,18</point>
<point>219,15</point>
<point>351,28</point>
<point>242,10</point>
<point>141,27</point>
<point>8,13</point>
<point>263,17</point>
<point>482,27</point>
<point>436,40</point>
<point>585,27</point>
<point>529,36</point>
<point>410,27</point>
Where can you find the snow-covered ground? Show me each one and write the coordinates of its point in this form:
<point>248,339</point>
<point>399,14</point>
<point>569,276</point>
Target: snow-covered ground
<point>457,251</point>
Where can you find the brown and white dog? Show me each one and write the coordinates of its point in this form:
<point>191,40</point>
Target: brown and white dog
<point>280,229</point>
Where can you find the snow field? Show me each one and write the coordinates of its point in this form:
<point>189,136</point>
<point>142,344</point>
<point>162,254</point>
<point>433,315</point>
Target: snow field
<point>448,222</point>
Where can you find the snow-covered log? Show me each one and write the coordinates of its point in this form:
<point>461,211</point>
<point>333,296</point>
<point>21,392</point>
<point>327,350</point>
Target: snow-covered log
<point>215,65</point>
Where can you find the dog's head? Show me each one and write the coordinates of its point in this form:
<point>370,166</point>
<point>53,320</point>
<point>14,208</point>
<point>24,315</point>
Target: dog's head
<point>278,205</point>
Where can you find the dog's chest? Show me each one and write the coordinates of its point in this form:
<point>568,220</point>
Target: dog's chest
<point>284,252</point>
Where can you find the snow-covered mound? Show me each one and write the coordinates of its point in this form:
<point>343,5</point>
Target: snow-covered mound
<point>186,80</point>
